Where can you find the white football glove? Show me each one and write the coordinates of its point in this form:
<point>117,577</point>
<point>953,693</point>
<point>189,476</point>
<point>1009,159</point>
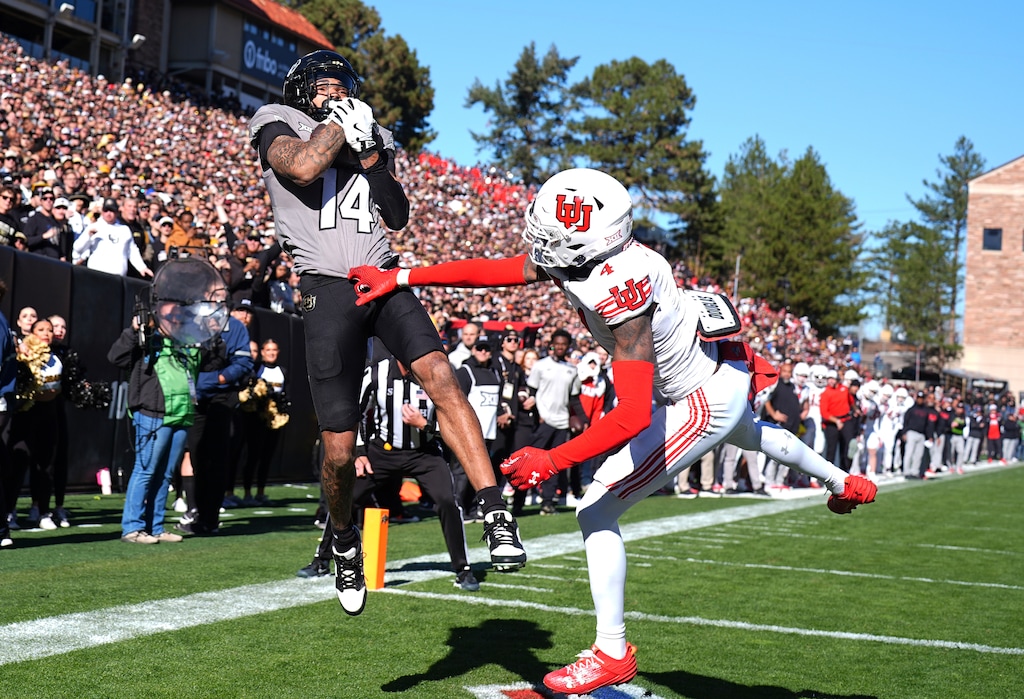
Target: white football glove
<point>356,118</point>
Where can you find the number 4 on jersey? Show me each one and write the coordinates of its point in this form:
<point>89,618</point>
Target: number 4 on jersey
<point>355,206</point>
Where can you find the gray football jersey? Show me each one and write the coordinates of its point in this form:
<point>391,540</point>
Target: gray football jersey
<point>332,224</point>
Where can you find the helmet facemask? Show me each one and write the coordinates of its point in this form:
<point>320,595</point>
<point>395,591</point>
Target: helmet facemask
<point>300,82</point>
<point>578,216</point>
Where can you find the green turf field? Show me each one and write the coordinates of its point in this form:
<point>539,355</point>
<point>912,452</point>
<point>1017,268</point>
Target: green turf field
<point>920,594</point>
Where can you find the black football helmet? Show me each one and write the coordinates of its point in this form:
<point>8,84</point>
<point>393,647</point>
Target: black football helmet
<point>300,82</point>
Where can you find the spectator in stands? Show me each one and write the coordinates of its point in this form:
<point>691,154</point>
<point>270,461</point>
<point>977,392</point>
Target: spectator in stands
<point>9,223</point>
<point>128,213</point>
<point>464,349</point>
<point>279,288</point>
<point>27,317</point>
<point>108,245</point>
<point>44,234</point>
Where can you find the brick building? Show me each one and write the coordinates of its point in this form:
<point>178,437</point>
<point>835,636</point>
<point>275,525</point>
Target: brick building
<point>993,311</point>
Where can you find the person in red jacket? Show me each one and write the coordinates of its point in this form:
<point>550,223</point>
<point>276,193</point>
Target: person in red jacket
<point>836,411</point>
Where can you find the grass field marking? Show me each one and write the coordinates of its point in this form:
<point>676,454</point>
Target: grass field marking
<point>39,638</point>
<point>874,542</point>
<point>719,623</point>
<point>848,573</point>
<point>533,576</point>
<point>29,640</point>
<point>647,557</point>
<point>528,588</point>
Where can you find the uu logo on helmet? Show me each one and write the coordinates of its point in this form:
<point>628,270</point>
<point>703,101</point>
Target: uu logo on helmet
<point>575,214</point>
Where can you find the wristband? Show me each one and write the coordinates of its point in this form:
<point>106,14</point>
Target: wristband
<point>402,278</point>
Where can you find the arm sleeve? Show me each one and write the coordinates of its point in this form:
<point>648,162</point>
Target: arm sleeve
<point>388,194</point>
<point>632,415</point>
<point>135,257</point>
<point>509,271</point>
<point>120,353</point>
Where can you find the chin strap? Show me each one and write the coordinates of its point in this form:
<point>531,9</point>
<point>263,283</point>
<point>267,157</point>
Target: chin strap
<point>634,387</point>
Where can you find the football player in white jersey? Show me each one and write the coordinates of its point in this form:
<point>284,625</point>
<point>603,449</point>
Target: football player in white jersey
<point>660,337</point>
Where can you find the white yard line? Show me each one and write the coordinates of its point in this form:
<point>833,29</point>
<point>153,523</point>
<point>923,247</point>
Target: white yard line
<point>57,635</point>
<point>721,623</point>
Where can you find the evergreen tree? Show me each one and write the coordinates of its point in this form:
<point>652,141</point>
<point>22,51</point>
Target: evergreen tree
<point>528,133</point>
<point>632,122</point>
<point>796,235</point>
<point>945,210</point>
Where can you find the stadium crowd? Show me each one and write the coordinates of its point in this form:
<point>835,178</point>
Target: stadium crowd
<point>177,170</point>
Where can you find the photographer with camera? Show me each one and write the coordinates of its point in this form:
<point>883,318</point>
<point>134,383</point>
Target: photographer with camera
<point>170,339</point>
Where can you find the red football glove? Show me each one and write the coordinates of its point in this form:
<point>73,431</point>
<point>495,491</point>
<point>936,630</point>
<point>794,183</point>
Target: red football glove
<point>528,467</point>
<point>857,491</point>
<point>372,282</point>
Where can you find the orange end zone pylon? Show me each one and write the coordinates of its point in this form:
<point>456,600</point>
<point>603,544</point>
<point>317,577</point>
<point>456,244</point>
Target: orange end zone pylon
<point>375,546</point>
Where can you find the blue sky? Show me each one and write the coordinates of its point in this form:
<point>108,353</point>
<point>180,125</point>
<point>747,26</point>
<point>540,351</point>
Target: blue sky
<point>879,89</point>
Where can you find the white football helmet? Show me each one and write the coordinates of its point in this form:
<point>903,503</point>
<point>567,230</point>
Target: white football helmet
<point>579,215</point>
<point>819,375</point>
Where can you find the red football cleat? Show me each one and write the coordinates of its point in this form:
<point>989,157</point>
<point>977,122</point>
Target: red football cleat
<point>857,491</point>
<point>592,671</point>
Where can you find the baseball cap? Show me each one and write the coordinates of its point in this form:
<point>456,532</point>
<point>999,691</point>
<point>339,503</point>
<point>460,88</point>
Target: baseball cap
<point>921,394</point>
<point>61,202</point>
<point>254,235</point>
<point>167,220</point>
<point>243,304</point>
<point>851,375</point>
<point>482,344</point>
<point>110,205</point>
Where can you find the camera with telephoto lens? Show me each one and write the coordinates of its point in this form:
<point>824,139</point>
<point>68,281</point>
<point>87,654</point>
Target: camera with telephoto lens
<point>142,315</point>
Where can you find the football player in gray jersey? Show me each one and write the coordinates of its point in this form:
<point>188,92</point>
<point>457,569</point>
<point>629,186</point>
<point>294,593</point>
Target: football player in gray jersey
<point>329,169</point>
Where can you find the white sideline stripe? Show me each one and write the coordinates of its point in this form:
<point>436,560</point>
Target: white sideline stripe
<point>35,639</point>
<point>720,623</point>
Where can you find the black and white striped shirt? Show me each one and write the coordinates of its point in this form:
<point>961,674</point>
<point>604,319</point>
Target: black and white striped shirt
<point>384,392</point>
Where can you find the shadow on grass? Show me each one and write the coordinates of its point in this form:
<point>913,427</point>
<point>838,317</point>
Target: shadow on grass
<point>687,684</point>
<point>473,647</point>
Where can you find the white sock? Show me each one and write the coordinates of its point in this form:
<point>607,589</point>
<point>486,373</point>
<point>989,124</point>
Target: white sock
<point>612,642</point>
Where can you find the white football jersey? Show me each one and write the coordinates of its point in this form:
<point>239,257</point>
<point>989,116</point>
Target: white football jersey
<point>625,286</point>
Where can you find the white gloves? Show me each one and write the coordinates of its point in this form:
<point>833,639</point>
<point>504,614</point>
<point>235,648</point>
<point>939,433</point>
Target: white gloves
<point>356,118</point>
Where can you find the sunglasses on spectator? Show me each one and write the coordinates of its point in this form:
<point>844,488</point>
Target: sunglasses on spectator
<point>7,197</point>
<point>46,196</point>
<point>511,338</point>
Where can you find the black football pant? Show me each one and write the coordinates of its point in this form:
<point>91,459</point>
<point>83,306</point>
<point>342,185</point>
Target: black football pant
<point>435,478</point>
